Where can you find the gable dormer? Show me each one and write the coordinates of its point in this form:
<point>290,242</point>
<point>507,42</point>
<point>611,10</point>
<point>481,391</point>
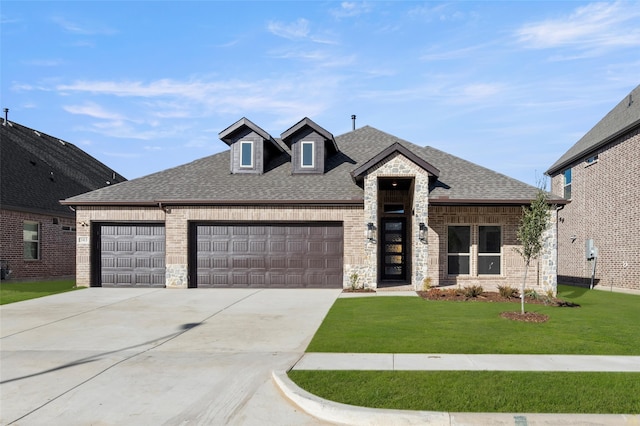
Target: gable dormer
<point>251,147</point>
<point>310,145</point>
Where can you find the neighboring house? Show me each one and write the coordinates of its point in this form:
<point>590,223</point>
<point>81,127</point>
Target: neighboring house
<point>600,175</point>
<point>310,210</point>
<point>38,234</point>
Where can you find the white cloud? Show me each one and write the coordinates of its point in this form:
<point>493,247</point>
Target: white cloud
<point>83,29</point>
<point>294,31</point>
<point>349,9</point>
<point>92,110</point>
<point>596,25</point>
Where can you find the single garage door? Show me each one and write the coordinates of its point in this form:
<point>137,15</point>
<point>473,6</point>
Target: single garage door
<point>261,255</point>
<point>131,255</point>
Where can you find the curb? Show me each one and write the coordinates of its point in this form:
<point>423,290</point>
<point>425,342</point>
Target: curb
<point>335,412</point>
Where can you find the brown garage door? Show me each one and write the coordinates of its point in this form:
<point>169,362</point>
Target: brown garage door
<point>131,255</point>
<point>263,255</point>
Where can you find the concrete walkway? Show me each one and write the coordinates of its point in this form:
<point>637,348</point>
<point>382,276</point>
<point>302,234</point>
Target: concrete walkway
<point>451,362</point>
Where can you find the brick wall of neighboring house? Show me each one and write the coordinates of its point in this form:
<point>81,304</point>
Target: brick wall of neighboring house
<point>57,245</point>
<point>176,220</point>
<point>605,206</point>
<point>512,266</point>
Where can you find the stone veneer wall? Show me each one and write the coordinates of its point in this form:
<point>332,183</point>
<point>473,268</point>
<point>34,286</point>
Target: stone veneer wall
<point>400,167</point>
<point>542,272</point>
<point>177,220</point>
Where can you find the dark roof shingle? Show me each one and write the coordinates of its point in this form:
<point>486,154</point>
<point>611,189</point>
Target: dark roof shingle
<point>208,181</point>
<point>622,118</point>
<point>38,170</point>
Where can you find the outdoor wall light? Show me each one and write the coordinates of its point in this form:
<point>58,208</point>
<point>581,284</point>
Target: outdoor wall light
<point>422,234</point>
<point>370,231</point>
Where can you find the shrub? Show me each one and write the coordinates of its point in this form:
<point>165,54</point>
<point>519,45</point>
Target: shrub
<point>354,281</point>
<point>426,284</point>
<point>530,293</point>
<point>507,291</point>
<point>473,291</point>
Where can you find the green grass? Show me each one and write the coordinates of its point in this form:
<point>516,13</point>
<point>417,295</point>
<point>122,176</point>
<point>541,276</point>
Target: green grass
<point>605,324</point>
<point>478,391</point>
<point>17,292</point>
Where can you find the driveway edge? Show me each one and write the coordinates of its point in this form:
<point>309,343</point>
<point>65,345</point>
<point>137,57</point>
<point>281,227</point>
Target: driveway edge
<point>336,412</point>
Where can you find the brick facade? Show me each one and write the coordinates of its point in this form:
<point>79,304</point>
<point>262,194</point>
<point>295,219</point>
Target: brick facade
<point>605,206</point>
<point>57,245</point>
<point>540,276</point>
<point>177,220</point>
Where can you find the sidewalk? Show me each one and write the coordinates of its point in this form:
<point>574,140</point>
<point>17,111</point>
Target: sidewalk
<point>435,362</point>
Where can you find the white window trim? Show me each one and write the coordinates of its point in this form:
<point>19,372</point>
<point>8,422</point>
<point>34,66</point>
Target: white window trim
<point>31,222</point>
<point>313,154</point>
<point>491,254</point>
<point>469,253</point>
<point>245,166</point>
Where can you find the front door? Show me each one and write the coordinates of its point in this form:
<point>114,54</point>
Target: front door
<point>394,249</point>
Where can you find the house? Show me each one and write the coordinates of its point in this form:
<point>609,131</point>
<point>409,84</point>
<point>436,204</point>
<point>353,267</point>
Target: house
<point>38,234</point>
<point>309,209</point>
<point>600,176</point>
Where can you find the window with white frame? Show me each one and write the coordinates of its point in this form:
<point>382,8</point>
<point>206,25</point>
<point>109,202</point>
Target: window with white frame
<point>246,154</point>
<point>567,184</point>
<point>458,250</point>
<point>31,240</point>
<point>489,250</point>
<point>306,156</point>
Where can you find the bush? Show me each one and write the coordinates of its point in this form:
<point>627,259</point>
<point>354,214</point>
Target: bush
<point>473,291</point>
<point>507,291</point>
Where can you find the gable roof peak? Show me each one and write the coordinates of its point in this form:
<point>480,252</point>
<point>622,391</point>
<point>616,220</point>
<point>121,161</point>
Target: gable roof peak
<point>227,134</point>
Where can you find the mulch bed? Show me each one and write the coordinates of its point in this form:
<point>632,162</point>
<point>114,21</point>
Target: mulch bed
<point>492,296</point>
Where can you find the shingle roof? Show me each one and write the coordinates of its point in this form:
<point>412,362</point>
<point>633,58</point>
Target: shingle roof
<point>38,170</point>
<point>208,181</point>
<point>621,119</point>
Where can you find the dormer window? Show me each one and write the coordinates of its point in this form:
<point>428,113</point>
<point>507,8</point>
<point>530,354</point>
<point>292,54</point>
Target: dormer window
<point>246,154</point>
<point>307,159</point>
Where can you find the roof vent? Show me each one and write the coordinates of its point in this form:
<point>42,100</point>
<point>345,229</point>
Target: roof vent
<point>353,122</point>
<point>630,99</point>
<point>62,142</point>
<point>37,133</point>
<point>6,116</point>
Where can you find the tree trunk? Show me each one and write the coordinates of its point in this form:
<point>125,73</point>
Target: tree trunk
<point>524,280</point>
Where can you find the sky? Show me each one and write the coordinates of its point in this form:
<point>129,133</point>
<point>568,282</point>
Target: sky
<point>148,85</point>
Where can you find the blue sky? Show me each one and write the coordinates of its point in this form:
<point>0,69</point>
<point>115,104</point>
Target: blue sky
<point>148,85</point>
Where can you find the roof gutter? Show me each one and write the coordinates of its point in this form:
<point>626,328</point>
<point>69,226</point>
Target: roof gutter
<point>591,149</point>
<point>488,202</point>
<point>164,203</point>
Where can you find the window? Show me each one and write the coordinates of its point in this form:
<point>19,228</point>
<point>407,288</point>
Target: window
<point>246,154</point>
<point>489,248</point>
<point>394,208</point>
<point>31,240</point>
<point>307,154</point>
<point>458,250</point>
<point>567,184</point>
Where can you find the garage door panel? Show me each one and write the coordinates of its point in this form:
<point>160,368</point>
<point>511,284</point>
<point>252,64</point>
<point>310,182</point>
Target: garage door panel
<point>268,255</point>
<point>132,255</point>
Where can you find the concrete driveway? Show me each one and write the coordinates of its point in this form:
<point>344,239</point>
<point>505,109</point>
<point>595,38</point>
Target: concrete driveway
<point>155,356</point>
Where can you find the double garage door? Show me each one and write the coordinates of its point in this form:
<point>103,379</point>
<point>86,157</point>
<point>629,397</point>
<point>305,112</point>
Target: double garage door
<point>267,255</point>
<point>260,255</point>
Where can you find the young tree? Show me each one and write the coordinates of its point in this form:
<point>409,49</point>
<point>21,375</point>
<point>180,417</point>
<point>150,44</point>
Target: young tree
<point>532,225</point>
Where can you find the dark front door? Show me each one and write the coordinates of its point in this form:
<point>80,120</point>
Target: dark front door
<point>394,249</point>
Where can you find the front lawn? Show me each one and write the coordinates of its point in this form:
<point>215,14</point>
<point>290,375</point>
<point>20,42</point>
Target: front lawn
<point>17,292</point>
<point>604,324</point>
<point>478,391</point>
